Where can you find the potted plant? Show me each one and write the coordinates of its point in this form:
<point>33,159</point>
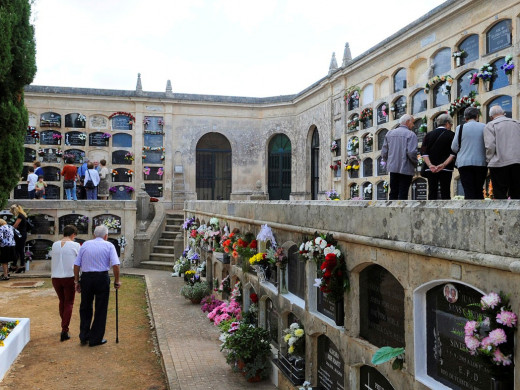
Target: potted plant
<point>196,291</point>
<point>248,350</point>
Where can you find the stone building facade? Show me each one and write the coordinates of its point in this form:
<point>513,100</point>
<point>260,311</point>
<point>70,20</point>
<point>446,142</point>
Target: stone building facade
<point>218,147</point>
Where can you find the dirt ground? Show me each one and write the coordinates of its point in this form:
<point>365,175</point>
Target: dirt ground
<point>47,363</point>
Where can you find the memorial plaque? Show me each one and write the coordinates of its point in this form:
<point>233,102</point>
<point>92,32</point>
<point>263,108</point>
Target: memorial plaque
<point>381,138</point>
<point>400,80</point>
<point>368,167</point>
<point>153,140</point>
<point>506,102</point>
<point>50,155</point>
<point>75,120</point>
<point>382,113</point>
<point>381,306</point>
<point>295,273</point>
<point>326,306</point>
<point>122,140</point>
<point>78,220</point>
<point>381,168</point>
<point>118,157</point>
<point>116,244</point>
<point>43,224</point>
<point>20,191</point>
<point>40,249</point>
<point>29,139</point>
<point>447,360</point>
<point>499,36</point>
<point>367,195</point>
<point>122,175</point>
<point>29,155</point>
<point>440,95</point>
<point>470,46</point>
<point>122,193</point>
<point>52,192</point>
<point>331,369</point>
<point>77,154</point>
<point>50,119</point>
<point>75,138</point>
<point>153,173</point>
<point>501,79</point>
<point>442,61</point>
<point>50,137</point>
<point>154,123</point>
<point>121,122</point>
<point>381,193</point>
<point>371,379</point>
<point>51,174</point>
<point>154,190</point>
<point>113,222</point>
<point>153,157</point>
<point>97,139</point>
<point>399,107</point>
<point>420,190</point>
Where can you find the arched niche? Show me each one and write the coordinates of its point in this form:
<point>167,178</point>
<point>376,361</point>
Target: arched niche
<point>99,139</point>
<point>417,71</point>
<point>76,154</point>
<point>441,94</point>
<point>353,122</point>
<point>399,107</point>
<point>279,167</point>
<point>52,192</point>
<point>330,365</point>
<point>78,220</point>
<point>272,318</point>
<point>122,122</point>
<point>39,249</point>
<point>116,245</point>
<point>419,101</point>
<point>383,86</point>
<point>29,155</point>
<point>371,378</point>
<point>75,138</point>
<point>500,80</point>
<point>122,140</point>
<point>382,111</point>
<point>367,190</point>
<point>50,137</point>
<point>354,190</point>
<point>119,157</point>
<point>121,192</point>
<point>75,120</point>
<point>506,102</point>
<point>368,169</point>
<point>368,143</point>
<point>470,45</point>
<point>419,189</point>
<point>382,190</point>
<point>42,223</point>
<point>50,155</point>
<point>499,36</point>
<point>464,88</point>
<point>381,307</point>
<point>50,119</point>
<point>51,173</point>
<point>113,222</point>
<point>441,61</point>
<point>400,80</point>
<point>381,134</point>
<point>295,272</point>
<point>381,168</point>
<point>367,94</point>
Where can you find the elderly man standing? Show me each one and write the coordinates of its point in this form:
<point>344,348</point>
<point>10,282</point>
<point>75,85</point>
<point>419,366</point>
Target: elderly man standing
<point>94,259</point>
<point>399,152</point>
<point>502,140</point>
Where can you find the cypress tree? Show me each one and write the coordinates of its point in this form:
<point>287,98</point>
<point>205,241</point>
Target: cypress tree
<point>17,69</point>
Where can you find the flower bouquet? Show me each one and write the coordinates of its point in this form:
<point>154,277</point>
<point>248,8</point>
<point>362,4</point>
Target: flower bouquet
<point>353,124</point>
<point>352,94</point>
<point>332,195</point>
<point>508,66</point>
<point>366,114</point>
<point>294,337</point>
<point>333,146</point>
<point>486,73</point>
<point>463,102</point>
<point>439,79</point>
<point>129,156</point>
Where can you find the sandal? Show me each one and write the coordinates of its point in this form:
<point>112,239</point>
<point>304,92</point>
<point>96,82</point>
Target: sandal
<point>4,277</point>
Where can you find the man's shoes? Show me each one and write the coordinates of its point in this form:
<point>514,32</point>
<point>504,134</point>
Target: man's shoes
<point>104,341</point>
<point>84,342</point>
<point>64,336</point>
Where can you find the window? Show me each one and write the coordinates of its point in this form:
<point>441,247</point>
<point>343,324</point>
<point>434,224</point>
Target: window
<point>442,61</point>
<point>470,46</point>
<point>463,86</point>
<point>499,36</point>
<point>367,94</point>
<point>419,102</point>
<point>400,80</point>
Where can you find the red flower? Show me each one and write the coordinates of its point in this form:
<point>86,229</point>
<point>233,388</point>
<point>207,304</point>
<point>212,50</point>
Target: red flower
<point>231,235</point>
<point>253,244</point>
<point>193,233</point>
<point>253,297</point>
<point>226,249</point>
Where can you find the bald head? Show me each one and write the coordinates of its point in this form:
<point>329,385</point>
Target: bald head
<point>496,111</point>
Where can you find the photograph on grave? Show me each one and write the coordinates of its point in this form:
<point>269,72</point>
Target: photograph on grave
<point>381,306</point>
<point>50,137</point>
<point>372,379</point>
<point>76,154</point>
<point>75,138</point>
<point>40,249</point>
<point>448,360</point>
<point>42,224</point>
<point>50,119</point>
<point>112,222</point>
<point>75,120</point>
<point>78,220</point>
<point>331,368</point>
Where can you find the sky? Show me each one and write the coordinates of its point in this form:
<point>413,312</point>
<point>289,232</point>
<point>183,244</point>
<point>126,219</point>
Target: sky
<point>220,47</point>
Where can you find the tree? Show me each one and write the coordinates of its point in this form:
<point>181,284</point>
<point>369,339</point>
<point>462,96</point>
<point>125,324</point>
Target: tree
<point>17,69</point>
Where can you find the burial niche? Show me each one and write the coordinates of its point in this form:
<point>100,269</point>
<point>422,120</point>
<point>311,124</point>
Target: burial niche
<point>331,368</point>
<point>42,224</point>
<point>78,220</point>
<point>112,222</point>
<point>39,248</point>
<point>372,379</point>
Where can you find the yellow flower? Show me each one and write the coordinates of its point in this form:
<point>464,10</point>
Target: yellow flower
<point>4,329</point>
<point>1,343</point>
<point>17,322</point>
<point>286,337</point>
<point>256,258</point>
<point>349,167</point>
<point>299,332</point>
<point>356,167</point>
<point>291,349</point>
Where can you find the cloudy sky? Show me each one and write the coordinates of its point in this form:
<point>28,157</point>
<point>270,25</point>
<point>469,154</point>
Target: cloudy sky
<point>220,47</point>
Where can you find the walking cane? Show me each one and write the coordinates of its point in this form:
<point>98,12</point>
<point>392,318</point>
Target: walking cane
<point>117,316</point>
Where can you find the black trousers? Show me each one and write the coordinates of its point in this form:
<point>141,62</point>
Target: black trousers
<point>506,181</point>
<point>399,186</point>
<point>444,179</point>
<point>20,250</point>
<point>95,290</point>
<point>473,178</point>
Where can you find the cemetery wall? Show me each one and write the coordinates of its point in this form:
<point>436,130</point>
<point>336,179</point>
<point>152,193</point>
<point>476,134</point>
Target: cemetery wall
<point>400,256</point>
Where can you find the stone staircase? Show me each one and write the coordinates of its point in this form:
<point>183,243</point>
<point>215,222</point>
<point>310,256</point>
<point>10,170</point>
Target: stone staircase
<point>163,255</point>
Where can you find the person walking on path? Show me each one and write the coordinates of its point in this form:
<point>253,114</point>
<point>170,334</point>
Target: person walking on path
<point>471,154</point>
<point>70,173</point>
<point>7,247</point>
<point>502,140</point>
<point>94,259</point>
<point>440,160</point>
<point>399,152</point>
<point>63,255</point>
<point>20,224</point>
<point>91,175</point>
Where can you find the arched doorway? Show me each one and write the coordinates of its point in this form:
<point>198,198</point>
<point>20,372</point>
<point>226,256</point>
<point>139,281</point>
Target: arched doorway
<point>315,164</point>
<point>213,167</point>
<point>279,170</point>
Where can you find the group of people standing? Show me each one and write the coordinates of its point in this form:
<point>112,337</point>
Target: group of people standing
<point>91,177</point>
<point>12,242</point>
<point>473,149</point>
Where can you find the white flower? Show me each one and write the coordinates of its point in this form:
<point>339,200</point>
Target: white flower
<point>294,326</point>
<point>317,282</point>
<point>292,340</point>
<point>302,246</point>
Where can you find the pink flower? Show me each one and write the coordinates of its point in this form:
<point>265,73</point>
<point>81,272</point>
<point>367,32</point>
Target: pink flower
<point>500,358</point>
<point>507,318</point>
<point>470,328</point>
<point>497,336</point>
<point>472,343</point>
<point>490,301</point>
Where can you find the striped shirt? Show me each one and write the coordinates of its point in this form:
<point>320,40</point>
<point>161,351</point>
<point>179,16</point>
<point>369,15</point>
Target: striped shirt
<point>97,255</point>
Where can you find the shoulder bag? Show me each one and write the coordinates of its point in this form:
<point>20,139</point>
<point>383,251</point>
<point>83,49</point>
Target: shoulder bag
<point>89,185</point>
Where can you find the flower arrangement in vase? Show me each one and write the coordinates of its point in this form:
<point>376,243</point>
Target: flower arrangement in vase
<point>508,66</point>
<point>332,195</point>
<point>333,146</point>
<point>486,73</point>
<point>129,156</point>
<point>294,337</point>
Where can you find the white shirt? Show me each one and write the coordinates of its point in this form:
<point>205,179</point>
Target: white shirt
<point>91,174</point>
<point>31,181</point>
<point>62,262</point>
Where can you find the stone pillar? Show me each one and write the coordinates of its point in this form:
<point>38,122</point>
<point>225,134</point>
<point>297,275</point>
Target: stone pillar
<point>178,246</point>
<point>143,204</point>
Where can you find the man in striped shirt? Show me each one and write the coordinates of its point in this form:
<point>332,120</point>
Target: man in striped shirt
<point>94,259</point>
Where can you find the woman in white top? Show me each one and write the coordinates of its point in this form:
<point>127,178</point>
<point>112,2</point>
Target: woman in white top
<point>64,253</point>
<point>91,174</point>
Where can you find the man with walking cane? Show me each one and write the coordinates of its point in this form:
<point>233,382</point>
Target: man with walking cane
<point>94,259</point>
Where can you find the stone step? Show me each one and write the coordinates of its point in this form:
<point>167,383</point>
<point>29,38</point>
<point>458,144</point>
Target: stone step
<point>166,242</point>
<point>157,265</point>
<point>172,228</point>
<point>169,235</point>
<point>163,249</point>
<point>162,256</point>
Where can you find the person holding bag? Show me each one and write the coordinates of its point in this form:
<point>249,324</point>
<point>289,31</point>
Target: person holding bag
<point>70,173</point>
<point>468,144</point>
<point>91,181</point>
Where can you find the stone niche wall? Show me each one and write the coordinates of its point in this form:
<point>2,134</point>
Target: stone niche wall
<point>418,248</point>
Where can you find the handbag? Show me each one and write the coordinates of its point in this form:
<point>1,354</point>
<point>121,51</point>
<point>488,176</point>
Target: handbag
<point>68,184</point>
<point>89,184</point>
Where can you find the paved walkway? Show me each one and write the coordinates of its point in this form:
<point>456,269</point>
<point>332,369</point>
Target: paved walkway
<point>187,339</point>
